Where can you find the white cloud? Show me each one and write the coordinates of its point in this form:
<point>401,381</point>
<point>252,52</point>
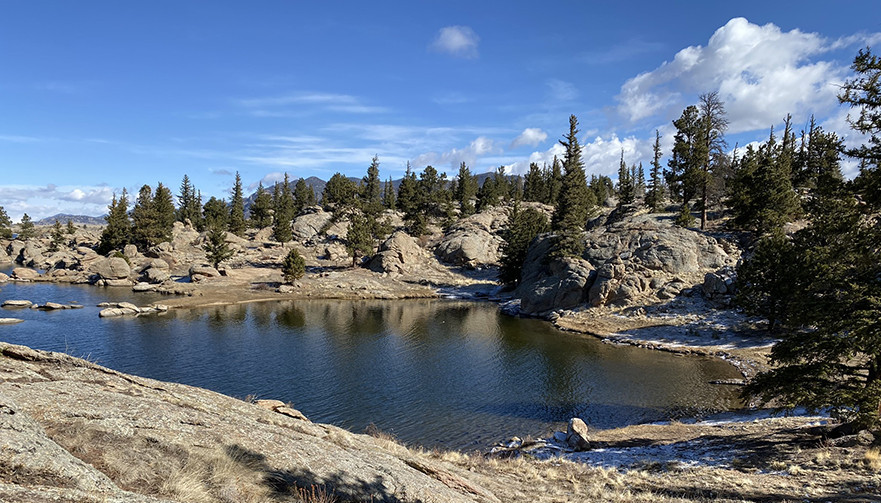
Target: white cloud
<point>457,41</point>
<point>602,156</point>
<point>761,73</point>
<point>530,136</point>
<point>18,138</point>
<point>44,201</point>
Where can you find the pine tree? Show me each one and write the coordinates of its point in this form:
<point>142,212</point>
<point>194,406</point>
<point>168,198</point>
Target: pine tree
<point>216,249</point>
<point>829,356</point>
<point>70,227</point>
<point>523,227</point>
<point>626,189</point>
<point>293,267</point>
<point>359,238</point>
<point>216,214</point>
<point>118,231</point>
<point>189,204</point>
<point>655,197</point>
<point>863,93</point>
<point>144,219</point>
<point>163,206</point>
<point>713,126</point>
<point>407,202</point>
<point>5,225</point>
<point>466,190</point>
<point>58,237</point>
<point>576,201</point>
<point>371,190</point>
<point>388,195</point>
<point>535,188</point>
<point>489,194</point>
<point>555,183</point>
<point>26,228</point>
<point>304,197</point>
<point>261,209</point>
<point>339,195</point>
<point>686,176</point>
<point>237,208</point>
<point>284,212</point>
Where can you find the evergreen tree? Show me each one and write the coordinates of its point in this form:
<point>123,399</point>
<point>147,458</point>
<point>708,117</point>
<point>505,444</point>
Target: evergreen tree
<point>764,280</point>
<point>686,176</point>
<point>830,354</point>
<point>339,195</point>
<point>216,249</point>
<point>489,194</point>
<point>189,204</point>
<point>144,219</point>
<point>58,238</point>
<point>654,199</point>
<point>555,183</point>
<point>261,210</point>
<point>713,126</point>
<point>863,92</point>
<point>293,267</point>
<point>118,231</point>
<point>284,212</point>
<point>216,214</point>
<point>761,193</point>
<point>359,238</point>
<point>388,195</point>
<point>304,197</point>
<point>535,187</point>
<point>26,228</point>
<point>163,206</point>
<point>576,201</point>
<point>626,189</point>
<point>639,182</point>
<point>371,190</point>
<point>407,202</point>
<point>466,190</point>
<point>237,208</point>
<point>5,225</point>
<point>523,227</point>
<point>70,227</point>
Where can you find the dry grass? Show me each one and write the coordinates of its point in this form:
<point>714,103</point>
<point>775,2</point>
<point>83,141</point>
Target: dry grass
<point>872,459</point>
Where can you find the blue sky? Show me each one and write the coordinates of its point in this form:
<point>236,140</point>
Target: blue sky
<point>100,95</point>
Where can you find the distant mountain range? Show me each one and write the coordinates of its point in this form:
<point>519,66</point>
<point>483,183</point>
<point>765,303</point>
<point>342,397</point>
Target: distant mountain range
<point>77,219</point>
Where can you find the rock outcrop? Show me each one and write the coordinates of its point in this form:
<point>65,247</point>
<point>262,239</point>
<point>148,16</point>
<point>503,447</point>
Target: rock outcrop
<point>75,431</point>
<point>635,260</point>
<point>399,254</point>
<point>474,241</point>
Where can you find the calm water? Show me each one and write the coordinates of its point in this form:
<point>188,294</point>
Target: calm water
<point>436,372</point>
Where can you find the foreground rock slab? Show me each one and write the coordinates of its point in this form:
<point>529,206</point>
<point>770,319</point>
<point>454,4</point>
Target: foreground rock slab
<point>82,432</point>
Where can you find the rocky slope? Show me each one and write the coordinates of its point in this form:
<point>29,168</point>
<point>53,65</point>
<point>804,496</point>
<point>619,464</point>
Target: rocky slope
<point>75,431</point>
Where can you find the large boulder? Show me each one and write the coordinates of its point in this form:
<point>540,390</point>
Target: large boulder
<point>399,254</point>
<point>549,285</point>
<point>307,227</point>
<point>25,274</point>
<point>111,268</point>
<point>475,240</point>
<point>13,250</point>
<point>203,272</point>
<point>632,260</point>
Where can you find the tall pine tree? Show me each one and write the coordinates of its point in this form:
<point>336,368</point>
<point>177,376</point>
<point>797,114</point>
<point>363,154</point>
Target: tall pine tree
<point>576,201</point>
<point>118,231</point>
<point>237,208</point>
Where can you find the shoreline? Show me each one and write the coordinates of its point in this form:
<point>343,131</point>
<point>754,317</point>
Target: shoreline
<point>687,326</point>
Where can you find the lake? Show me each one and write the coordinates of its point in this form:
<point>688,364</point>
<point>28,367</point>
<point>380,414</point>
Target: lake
<point>438,373</point>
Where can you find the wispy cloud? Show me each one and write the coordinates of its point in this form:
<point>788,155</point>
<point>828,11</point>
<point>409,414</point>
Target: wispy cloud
<point>303,102</point>
<point>457,41</point>
<point>560,90</point>
<point>12,138</point>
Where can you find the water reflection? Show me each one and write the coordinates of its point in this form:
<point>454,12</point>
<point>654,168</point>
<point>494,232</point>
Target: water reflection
<point>432,372</point>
